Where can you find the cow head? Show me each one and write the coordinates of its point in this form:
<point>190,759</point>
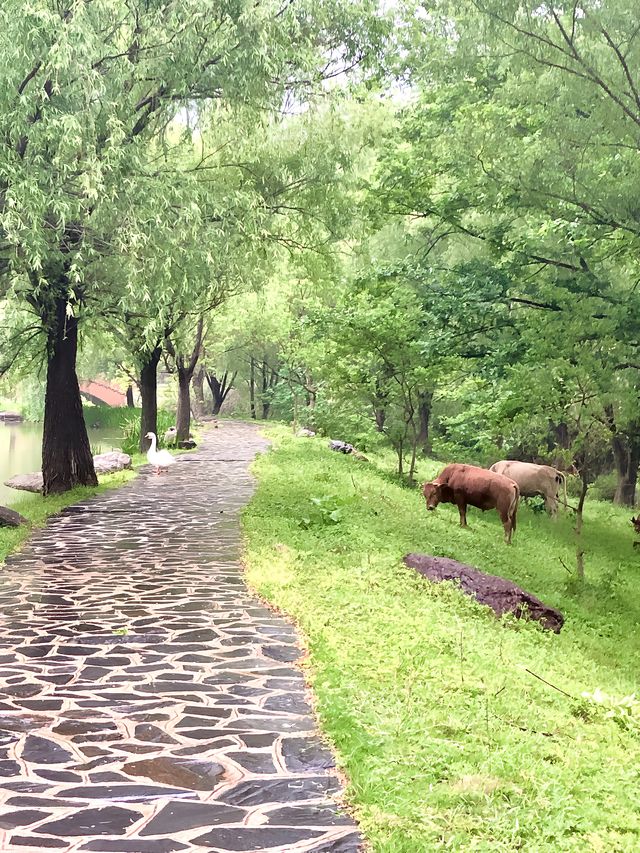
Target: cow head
<point>636,524</point>
<point>432,494</point>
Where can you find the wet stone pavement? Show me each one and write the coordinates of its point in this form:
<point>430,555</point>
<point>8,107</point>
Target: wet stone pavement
<point>148,702</point>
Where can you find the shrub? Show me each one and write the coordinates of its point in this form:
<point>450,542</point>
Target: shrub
<point>574,486</point>
<point>131,430</point>
<point>605,486</point>
<point>344,420</point>
<point>108,417</point>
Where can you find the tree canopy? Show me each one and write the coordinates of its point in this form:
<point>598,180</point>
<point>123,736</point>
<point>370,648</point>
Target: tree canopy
<point>417,227</point>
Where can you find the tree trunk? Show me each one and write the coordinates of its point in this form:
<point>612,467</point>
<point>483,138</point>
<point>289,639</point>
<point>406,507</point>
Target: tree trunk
<point>379,401</point>
<point>424,410</point>
<point>294,402</point>
<point>414,453</point>
<point>149,396</point>
<point>183,415</point>
<point>264,397</point>
<point>219,388</point>
<point>66,452</point>
<point>311,391</point>
<point>380,416</point>
<point>269,380</point>
<point>217,392</point>
<point>563,439</point>
<point>252,387</point>
<point>411,432</point>
<point>130,402</point>
<point>198,393</point>
<point>626,454</point>
<point>400,452</point>
<point>185,368</point>
<point>559,436</point>
<point>578,527</point>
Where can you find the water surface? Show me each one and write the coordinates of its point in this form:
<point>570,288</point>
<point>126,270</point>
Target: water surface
<point>21,452</point>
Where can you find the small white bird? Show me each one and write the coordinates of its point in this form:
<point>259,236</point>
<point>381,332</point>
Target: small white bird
<point>170,435</point>
<point>159,458</point>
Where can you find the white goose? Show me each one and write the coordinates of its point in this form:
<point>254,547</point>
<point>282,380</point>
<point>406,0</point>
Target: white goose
<point>159,458</point>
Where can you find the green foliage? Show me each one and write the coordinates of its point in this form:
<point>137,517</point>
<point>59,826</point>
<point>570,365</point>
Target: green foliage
<point>108,417</point>
<point>373,350</point>
<point>327,509</point>
<point>624,711</point>
<point>148,160</point>
<point>131,429</point>
<point>573,486</point>
<point>343,419</point>
<point>604,487</point>
<point>447,740</point>
<point>513,172</point>
<point>30,396</point>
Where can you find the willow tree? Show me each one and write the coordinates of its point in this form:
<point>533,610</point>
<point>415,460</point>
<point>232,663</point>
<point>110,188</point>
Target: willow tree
<point>87,91</point>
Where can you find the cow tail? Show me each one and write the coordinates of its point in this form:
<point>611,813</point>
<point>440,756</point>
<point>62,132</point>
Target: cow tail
<point>513,509</point>
<point>561,477</point>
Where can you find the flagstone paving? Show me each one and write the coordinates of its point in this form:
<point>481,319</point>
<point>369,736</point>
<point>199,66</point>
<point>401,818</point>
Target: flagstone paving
<point>148,702</point>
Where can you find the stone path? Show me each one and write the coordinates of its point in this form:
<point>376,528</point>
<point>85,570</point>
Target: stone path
<point>149,703</point>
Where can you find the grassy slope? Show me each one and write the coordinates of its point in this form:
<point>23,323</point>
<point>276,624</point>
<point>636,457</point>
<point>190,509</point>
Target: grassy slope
<point>37,509</point>
<point>447,741</point>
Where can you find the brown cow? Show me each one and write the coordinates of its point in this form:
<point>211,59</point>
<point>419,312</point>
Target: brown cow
<point>465,485</point>
<point>636,527</point>
<point>534,480</point>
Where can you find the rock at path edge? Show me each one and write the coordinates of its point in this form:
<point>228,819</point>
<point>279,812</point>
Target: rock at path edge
<point>109,463</point>
<point>104,463</point>
<point>11,518</point>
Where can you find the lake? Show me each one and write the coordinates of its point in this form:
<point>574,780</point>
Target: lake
<point>21,452</point>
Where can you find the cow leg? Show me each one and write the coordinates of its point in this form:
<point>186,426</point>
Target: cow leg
<point>508,519</point>
<point>551,505</point>
<point>462,509</point>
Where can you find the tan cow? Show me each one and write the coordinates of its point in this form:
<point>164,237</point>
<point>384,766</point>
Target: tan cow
<point>534,480</point>
<point>466,485</point>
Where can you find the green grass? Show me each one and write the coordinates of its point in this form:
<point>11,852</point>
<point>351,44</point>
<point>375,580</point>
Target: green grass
<point>108,417</point>
<point>447,740</point>
<point>37,509</point>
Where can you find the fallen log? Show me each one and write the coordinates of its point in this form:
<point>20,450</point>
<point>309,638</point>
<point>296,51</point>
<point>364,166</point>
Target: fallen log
<point>501,595</point>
